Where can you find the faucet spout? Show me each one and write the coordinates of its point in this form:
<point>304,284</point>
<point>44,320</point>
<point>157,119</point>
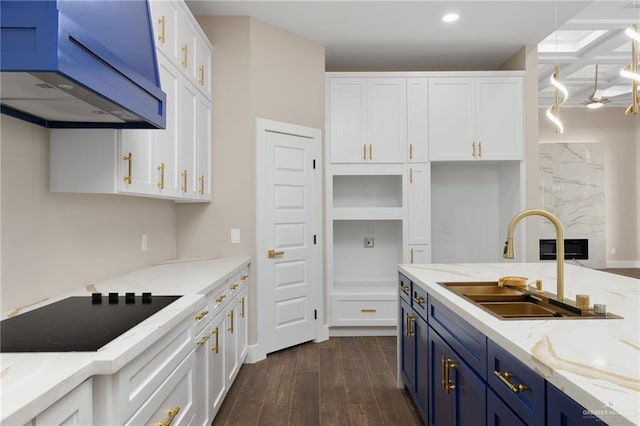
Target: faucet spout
<point>509,252</point>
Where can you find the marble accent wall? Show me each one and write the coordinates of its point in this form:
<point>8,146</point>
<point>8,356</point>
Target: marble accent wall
<point>572,186</point>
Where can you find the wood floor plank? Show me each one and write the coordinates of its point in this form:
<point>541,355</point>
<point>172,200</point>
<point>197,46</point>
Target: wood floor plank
<point>308,358</point>
<point>365,415</point>
<point>274,415</point>
<point>305,408</point>
<point>332,372</point>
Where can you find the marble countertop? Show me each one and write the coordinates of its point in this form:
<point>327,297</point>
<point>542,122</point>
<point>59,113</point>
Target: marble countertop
<point>30,382</point>
<point>594,361</point>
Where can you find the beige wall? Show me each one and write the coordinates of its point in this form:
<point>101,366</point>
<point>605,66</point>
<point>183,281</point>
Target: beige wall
<point>622,162</point>
<point>53,242</point>
<point>259,72</point>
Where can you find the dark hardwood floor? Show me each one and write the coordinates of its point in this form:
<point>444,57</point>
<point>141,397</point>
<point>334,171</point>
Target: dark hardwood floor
<point>342,381</point>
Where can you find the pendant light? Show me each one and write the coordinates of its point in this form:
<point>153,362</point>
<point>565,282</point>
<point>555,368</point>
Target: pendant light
<point>561,92</point>
<point>631,70</point>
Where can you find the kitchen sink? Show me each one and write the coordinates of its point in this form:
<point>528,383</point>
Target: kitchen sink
<point>519,302</point>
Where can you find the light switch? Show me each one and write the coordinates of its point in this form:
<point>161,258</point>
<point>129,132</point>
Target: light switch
<point>235,236</point>
<point>144,243</point>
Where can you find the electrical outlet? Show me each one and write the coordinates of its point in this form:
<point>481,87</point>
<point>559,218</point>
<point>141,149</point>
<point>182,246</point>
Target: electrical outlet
<point>368,242</point>
<point>235,236</point>
<point>144,243</point>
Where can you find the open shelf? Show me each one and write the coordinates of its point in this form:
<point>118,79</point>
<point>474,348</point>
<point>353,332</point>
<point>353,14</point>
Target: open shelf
<point>367,191</point>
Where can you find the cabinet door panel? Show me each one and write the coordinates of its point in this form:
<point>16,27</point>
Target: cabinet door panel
<point>451,118</point>
<point>165,27</point>
<point>187,147</point>
<point>406,350</point>
<point>231,343</point>
<point>419,204</point>
<point>498,414</point>
<point>140,166</point>
<point>386,120</point>
<point>419,254</point>
<point>75,408</point>
<point>347,112</point>
<point>562,410</point>
<point>421,366</point>
<point>167,139</point>
<point>417,119</point>
<point>217,352</point>
<point>499,118</point>
<point>440,402</point>
<point>470,405</point>
<point>243,332</point>
<point>203,154</point>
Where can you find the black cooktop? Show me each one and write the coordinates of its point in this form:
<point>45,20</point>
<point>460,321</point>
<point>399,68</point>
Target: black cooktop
<point>78,324</point>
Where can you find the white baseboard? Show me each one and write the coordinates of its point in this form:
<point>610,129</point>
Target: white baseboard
<point>254,354</point>
<point>362,331</point>
<point>623,263</point>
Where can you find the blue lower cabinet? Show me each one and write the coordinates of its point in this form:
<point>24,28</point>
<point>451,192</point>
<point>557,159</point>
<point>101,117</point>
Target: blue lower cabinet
<point>458,396</point>
<point>414,367</point>
<point>498,414</point>
<point>564,411</point>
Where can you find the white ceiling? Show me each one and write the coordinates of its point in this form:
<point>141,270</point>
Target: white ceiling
<point>409,35</point>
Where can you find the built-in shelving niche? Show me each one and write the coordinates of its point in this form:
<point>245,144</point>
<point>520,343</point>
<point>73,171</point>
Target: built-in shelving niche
<point>471,207</point>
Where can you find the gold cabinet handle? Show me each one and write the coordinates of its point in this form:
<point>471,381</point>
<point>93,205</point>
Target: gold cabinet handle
<point>201,81</point>
<point>230,315</point>
<point>203,340</point>
<point>479,149</point>
<point>129,159</point>
<point>449,385</point>
<point>405,289</point>
<point>221,298</point>
<point>419,300</point>
<point>161,170</point>
<point>411,177</point>
<point>185,53</point>
<point>411,256</point>
<point>172,413</point>
<point>184,180</point>
<point>201,180</point>
<point>233,286</point>
<point>368,310</point>
<point>201,315</point>
<point>504,378</point>
<point>215,332</point>
<point>473,149</point>
<point>162,37</point>
<point>445,378</point>
<point>364,151</point>
<point>242,310</point>
<point>410,151</point>
<point>244,277</point>
<point>370,152</point>
<point>271,253</point>
<point>410,319</point>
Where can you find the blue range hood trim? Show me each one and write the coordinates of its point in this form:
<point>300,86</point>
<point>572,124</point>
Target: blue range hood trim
<point>104,46</point>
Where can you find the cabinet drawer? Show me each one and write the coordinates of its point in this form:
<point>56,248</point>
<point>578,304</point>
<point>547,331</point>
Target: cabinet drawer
<point>405,288</point>
<point>520,387</point>
<point>76,407</point>
<point>468,342</point>
<point>498,414</point>
<point>364,310</point>
<point>419,301</point>
<point>139,379</point>
<point>173,401</point>
<point>201,317</point>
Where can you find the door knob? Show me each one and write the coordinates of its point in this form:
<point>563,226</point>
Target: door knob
<point>271,253</point>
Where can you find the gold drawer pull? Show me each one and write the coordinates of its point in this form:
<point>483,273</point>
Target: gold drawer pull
<point>405,289</point>
<point>448,385</point>
<point>162,23</point>
<point>364,151</point>
<point>203,340</point>
<point>230,315</point>
<point>215,332</point>
<point>479,149</point>
<point>161,170</point>
<point>418,299</point>
<point>221,298</point>
<point>233,286</point>
<point>184,181</point>
<point>411,176</point>
<point>473,149</point>
<point>185,53</point>
<point>201,315</point>
<point>172,412</point>
<point>242,311</point>
<point>370,152</point>
<point>410,318</point>
<point>201,81</point>
<point>411,256</point>
<point>410,151</point>
<point>504,377</point>
<point>243,277</point>
<point>368,310</point>
<point>201,180</point>
<point>129,159</point>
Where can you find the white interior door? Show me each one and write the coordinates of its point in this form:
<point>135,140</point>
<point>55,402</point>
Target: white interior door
<point>289,254</point>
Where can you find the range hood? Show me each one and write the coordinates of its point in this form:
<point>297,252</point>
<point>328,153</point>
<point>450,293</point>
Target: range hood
<point>80,64</point>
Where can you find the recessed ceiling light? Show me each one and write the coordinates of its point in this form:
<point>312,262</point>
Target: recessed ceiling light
<point>450,17</point>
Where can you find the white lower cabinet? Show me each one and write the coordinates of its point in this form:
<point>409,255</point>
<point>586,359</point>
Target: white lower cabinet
<point>217,383</point>
<point>75,408</point>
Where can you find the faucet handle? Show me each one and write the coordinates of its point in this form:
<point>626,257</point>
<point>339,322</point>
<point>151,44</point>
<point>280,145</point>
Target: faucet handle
<point>539,286</point>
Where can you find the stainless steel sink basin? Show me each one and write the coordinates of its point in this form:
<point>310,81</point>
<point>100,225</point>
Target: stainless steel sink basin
<point>519,302</point>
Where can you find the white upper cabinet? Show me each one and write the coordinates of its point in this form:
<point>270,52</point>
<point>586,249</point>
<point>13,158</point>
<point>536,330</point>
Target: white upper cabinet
<point>203,67</point>
<point>475,118</point>
<point>417,119</point>
<point>165,27</point>
<point>419,204</point>
<point>367,119</point>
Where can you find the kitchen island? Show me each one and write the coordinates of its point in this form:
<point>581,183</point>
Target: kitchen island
<point>595,362</point>
<point>31,382</point>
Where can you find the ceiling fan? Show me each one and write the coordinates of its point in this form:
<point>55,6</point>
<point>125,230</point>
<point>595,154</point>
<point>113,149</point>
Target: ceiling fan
<point>594,102</point>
